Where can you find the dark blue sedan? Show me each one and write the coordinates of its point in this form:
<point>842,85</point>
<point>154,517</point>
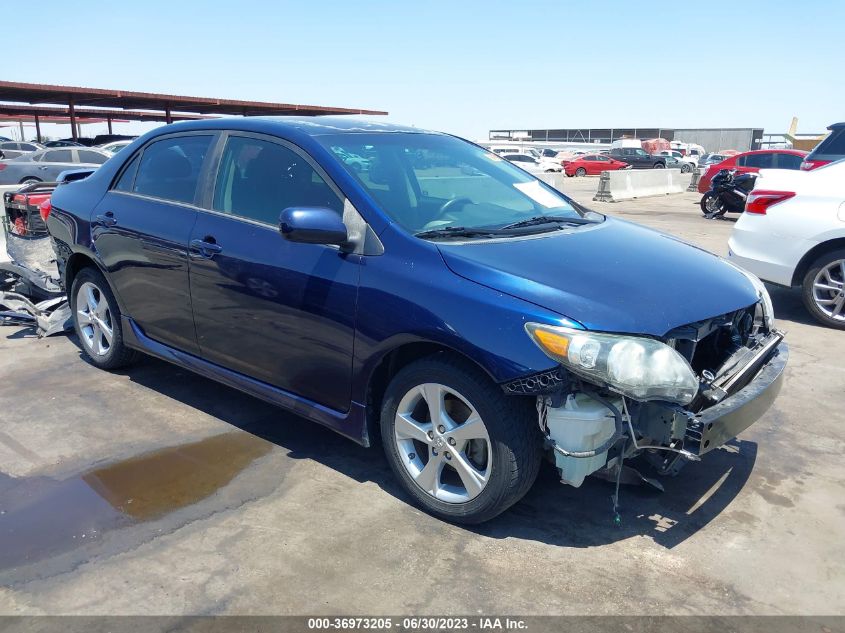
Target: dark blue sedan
<point>424,291</point>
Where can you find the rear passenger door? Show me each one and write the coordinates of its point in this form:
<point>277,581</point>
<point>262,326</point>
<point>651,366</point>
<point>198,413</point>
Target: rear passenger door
<point>277,311</point>
<point>141,230</point>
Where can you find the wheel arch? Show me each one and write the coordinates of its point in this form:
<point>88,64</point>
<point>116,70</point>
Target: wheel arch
<point>77,261</point>
<point>394,360</point>
<point>812,255</point>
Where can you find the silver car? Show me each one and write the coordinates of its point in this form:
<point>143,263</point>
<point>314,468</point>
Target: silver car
<point>13,149</point>
<point>46,165</point>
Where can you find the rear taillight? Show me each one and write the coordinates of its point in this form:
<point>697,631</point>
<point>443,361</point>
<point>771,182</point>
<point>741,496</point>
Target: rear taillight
<point>808,165</point>
<point>759,201</point>
<point>2,166</point>
<point>44,209</point>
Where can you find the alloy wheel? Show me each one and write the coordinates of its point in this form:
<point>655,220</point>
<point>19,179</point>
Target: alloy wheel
<point>443,443</point>
<point>95,319</point>
<point>713,204</point>
<point>829,290</point>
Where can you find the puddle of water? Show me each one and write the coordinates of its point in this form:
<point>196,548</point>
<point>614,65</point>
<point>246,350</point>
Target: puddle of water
<point>41,517</point>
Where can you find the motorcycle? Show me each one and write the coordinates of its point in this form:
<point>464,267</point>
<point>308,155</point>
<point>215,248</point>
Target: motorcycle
<point>728,191</point>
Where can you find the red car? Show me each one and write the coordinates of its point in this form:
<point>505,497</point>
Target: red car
<point>748,162</point>
<point>591,165</point>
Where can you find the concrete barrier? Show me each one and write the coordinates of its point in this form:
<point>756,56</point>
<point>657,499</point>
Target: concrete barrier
<point>626,184</point>
<point>696,177</point>
<point>555,179</point>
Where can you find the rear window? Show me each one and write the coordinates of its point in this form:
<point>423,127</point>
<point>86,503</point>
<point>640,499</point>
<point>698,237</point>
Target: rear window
<point>833,145</point>
<point>170,168</point>
<point>789,161</point>
<point>94,158</point>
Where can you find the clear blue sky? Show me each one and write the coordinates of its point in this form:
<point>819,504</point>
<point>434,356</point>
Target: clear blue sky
<point>462,67</point>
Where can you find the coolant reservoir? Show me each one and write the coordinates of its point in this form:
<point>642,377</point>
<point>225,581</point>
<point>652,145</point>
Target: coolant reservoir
<point>581,424</point>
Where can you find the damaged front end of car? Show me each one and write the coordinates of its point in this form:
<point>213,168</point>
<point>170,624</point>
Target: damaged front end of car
<point>670,399</point>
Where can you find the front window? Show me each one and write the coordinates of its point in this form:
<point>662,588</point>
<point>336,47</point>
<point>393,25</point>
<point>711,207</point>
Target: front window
<point>258,179</point>
<point>426,182</point>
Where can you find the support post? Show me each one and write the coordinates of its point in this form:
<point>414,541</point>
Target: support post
<point>37,128</point>
<point>73,129</point>
<point>108,120</point>
<point>167,116</point>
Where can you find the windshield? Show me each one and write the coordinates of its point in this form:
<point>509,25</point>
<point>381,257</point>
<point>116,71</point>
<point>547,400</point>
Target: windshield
<point>432,181</point>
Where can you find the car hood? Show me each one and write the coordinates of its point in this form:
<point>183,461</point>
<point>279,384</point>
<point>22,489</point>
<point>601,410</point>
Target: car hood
<point>615,276</point>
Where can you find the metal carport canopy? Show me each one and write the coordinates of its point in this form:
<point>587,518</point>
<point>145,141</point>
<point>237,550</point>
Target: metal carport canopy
<point>80,103</point>
<point>76,96</point>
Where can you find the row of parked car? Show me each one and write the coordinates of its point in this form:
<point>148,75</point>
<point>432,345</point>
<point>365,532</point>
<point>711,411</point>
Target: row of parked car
<point>24,162</point>
<point>581,163</point>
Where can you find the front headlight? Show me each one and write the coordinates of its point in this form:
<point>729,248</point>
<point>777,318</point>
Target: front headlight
<point>637,367</point>
<point>765,300</point>
<point>762,296</point>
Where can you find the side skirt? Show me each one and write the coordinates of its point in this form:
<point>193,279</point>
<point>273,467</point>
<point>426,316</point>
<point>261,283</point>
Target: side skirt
<point>351,424</point>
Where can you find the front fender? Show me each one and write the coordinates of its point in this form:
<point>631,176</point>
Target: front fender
<point>419,300</point>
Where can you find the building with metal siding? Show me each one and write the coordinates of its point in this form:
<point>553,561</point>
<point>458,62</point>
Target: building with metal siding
<point>712,139</point>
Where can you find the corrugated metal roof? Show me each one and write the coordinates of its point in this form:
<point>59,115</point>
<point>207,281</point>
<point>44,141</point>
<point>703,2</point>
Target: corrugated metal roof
<point>18,92</point>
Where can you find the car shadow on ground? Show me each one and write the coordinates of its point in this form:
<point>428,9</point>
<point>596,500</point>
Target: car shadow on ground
<point>552,513</point>
<point>789,306</point>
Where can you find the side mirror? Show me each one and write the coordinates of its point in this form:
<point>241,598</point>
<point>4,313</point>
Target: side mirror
<point>312,225</point>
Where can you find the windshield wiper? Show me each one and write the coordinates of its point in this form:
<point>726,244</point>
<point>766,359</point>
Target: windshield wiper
<point>456,231</point>
<point>547,219</point>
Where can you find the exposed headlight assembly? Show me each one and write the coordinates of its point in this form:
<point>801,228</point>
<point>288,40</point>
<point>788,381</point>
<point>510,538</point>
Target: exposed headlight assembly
<point>765,299</point>
<point>637,367</point>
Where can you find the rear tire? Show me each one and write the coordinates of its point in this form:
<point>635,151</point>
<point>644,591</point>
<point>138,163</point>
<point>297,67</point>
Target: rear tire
<point>659,166</point>
<point>581,172</point>
<point>29,181</point>
<point>470,480</point>
<point>686,168</point>
<point>823,289</point>
<point>96,319</point>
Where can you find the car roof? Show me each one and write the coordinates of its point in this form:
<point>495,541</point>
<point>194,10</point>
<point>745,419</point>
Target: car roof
<point>304,125</point>
<point>795,152</point>
<point>836,125</point>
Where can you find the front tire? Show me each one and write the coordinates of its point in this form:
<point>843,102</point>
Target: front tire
<point>823,289</point>
<point>710,205</point>
<point>461,448</point>
<point>96,319</point>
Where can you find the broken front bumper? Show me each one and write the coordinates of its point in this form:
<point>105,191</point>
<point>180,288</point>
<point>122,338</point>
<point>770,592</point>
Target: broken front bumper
<point>714,426</point>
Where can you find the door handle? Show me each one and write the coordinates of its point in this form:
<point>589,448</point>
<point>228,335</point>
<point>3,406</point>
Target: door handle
<point>106,219</point>
<point>206,247</point>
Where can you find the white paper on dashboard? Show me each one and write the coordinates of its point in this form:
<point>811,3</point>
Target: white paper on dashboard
<point>538,194</point>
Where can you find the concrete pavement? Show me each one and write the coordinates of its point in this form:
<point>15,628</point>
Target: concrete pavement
<point>154,491</point>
